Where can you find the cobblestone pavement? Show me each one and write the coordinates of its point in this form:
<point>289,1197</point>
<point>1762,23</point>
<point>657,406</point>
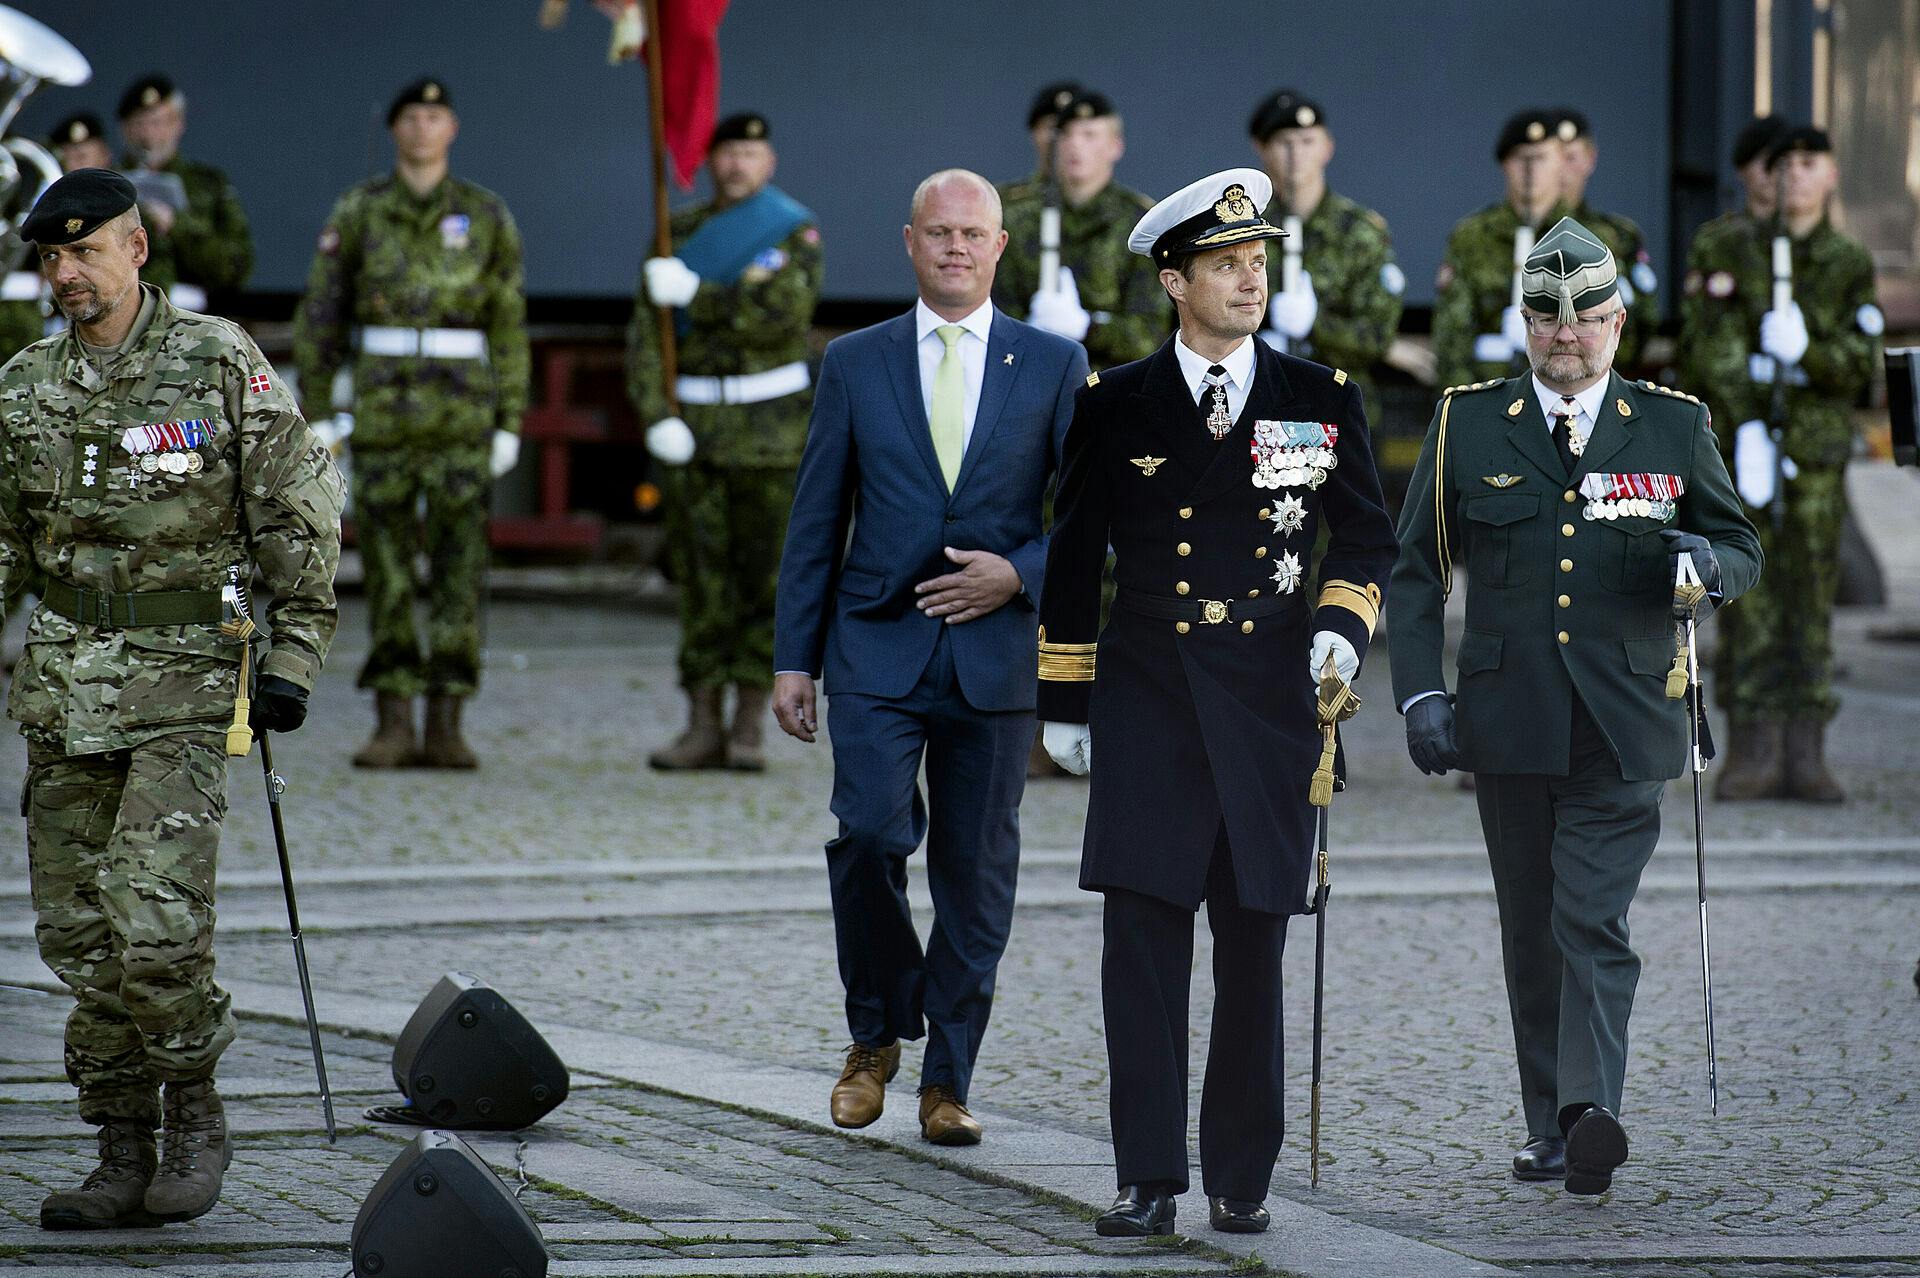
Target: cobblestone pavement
<point>690,910</point>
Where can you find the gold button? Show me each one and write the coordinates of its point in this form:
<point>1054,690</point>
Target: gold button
<point>1186,512</point>
<point>1183,549</point>
<point>1565,601</point>
<point>1181,587</point>
<point>1181,627</point>
<point>1566,530</point>
<point>1566,565</point>
<point>1264,513</point>
<point>1246,627</point>
<point>1565,637</point>
<point>1254,593</point>
<point>1259,552</point>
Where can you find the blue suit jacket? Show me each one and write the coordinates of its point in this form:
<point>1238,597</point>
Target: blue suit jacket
<point>845,607</point>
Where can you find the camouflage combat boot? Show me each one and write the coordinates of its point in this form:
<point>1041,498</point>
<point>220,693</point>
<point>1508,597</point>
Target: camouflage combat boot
<point>114,1194</point>
<point>745,749</point>
<point>1808,777</point>
<point>392,744</point>
<point>703,744</point>
<point>443,746</point>
<point>1754,768</point>
<point>194,1152</point>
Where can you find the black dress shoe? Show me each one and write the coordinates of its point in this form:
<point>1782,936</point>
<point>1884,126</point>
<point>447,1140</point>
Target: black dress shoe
<point>1541,1158</point>
<point>1237,1216</point>
<point>1595,1146</point>
<point>1140,1210</point>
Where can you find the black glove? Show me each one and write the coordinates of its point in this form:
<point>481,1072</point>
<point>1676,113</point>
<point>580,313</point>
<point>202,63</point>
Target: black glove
<point>1430,737</point>
<point>1704,564</point>
<point>279,705</point>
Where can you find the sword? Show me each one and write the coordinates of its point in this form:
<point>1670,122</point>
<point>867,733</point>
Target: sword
<point>1687,595</point>
<point>276,785</point>
<point>1335,704</point>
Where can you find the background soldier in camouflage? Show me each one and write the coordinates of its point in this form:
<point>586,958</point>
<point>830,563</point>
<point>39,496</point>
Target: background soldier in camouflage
<point>1639,283</point>
<point>1775,663</point>
<point>1043,118</point>
<point>1716,241</point>
<point>423,270</point>
<point>744,283</point>
<point>1477,331</point>
<point>206,245</point>
<point>79,142</point>
<point>1347,307</point>
<point>129,678</point>
<point>1109,299</point>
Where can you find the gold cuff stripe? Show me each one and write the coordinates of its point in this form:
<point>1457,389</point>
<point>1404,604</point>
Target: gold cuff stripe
<point>1066,662</point>
<point>1363,601</point>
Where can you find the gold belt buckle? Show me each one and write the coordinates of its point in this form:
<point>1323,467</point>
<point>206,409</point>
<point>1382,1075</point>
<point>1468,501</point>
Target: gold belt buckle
<point>1213,612</point>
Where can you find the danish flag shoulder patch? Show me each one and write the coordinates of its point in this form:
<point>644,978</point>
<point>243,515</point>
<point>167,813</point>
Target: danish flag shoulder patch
<point>259,384</point>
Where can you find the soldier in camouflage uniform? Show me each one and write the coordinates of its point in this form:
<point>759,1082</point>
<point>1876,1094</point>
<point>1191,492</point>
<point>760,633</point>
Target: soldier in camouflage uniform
<point>1478,332</point>
<point>1346,306</point>
<point>1775,661</point>
<point>743,284</point>
<point>1109,300</point>
<point>149,457</point>
<point>1713,241</point>
<point>417,283</point>
<point>26,308</point>
<point>1639,283</point>
<point>205,247</point>
<point>1043,122</point>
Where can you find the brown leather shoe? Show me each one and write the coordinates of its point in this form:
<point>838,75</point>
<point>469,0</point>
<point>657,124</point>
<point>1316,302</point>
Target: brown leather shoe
<point>1808,777</point>
<point>1755,766</point>
<point>944,1120</point>
<point>114,1193</point>
<point>861,1093</point>
<point>703,745</point>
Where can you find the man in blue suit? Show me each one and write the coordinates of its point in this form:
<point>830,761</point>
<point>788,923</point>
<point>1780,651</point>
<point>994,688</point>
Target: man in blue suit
<point>934,436</point>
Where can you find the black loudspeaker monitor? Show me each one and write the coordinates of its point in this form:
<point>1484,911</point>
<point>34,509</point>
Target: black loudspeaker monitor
<point>439,1211</point>
<point>1903,403</point>
<point>468,1059</point>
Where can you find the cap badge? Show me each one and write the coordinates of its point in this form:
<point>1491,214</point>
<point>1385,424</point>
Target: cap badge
<point>73,226</point>
<point>76,132</point>
<point>1536,131</point>
<point>1304,117</point>
<point>149,96</point>
<point>755,128</point>
<point>1568,130</point>
<point>1234,206</point>
<point>430,92</point>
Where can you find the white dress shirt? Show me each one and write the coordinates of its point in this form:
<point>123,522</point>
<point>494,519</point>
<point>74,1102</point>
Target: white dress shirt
<point>973,359</point>
<point>1588,403</point>
<point>1239,364</point>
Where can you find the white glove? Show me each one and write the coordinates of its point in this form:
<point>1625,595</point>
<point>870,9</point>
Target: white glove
<point>1345,660</point>
<point>506,452</point>
<point>669,281</point>
<point>1070,745</point>
<point>1753,464</point>
<point>1293,313</point>
<point>1060,312</point>
<point>670,440</point>
<point>1513,327</point>
<point>1783,334</point>
<point>333,431</point>
<point>1492,348</point>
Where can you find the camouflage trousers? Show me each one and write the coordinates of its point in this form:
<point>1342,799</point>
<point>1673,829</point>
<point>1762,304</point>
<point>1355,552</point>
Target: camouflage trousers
<point>1775,656</point>
<point>388,485</point>
<point>726,526</point>
<point>121,848</point>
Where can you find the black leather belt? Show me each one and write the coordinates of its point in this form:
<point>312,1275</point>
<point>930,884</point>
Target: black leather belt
<point>1205,612</point>
<point>139,608</point>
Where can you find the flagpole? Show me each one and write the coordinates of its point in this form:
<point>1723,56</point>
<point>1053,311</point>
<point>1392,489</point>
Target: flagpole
<point>662,230</point>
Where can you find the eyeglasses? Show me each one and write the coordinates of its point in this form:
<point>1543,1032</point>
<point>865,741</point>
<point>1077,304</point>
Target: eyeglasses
<point>1584,326</point>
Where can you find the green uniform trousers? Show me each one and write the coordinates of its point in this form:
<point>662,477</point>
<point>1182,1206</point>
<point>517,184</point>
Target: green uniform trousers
<point>121,848</point>
<point>1567,855</point>
<point>726,526</point>
<point>388,487</point>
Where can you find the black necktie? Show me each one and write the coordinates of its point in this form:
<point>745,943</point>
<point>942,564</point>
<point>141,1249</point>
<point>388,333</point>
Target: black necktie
<point>1563,432</point>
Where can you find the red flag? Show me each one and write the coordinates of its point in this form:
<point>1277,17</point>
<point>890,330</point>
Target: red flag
<point>689,38</point>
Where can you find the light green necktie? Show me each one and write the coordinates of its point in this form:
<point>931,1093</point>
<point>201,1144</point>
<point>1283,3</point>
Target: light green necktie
<point>948,418</point>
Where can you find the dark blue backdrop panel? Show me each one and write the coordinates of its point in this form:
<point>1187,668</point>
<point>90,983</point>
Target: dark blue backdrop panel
<point>867,97</point>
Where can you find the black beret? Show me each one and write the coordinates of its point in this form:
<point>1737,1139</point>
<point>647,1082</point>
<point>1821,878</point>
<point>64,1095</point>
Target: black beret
<point>747,126</point>
<point>1754,140</point>
<point>84,126</point>
<point>1521,128</point>
<point>1802,137</point>
<point>1284,110</point>
<point>1087,105</point>
<point>1052,100</point>
<point>76,206</point>
<point>147,91</point>
<point>429,91</point>
<point>1570,124</point>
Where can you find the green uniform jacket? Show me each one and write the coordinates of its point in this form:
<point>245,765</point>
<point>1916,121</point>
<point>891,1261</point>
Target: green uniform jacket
<point>1348,250</point>
<point>1558,603</point>
<point>1474,285</point>
<point>1118,287</point>
<point>757,323</point>
<point>210,244</point>
<point>1639,283</point>
<point>1729,288</point>
<point>75,503</point>
<point>449,259</point>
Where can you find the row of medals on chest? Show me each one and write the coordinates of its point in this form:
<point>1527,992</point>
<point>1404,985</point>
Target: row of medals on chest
<point>186,462</point>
